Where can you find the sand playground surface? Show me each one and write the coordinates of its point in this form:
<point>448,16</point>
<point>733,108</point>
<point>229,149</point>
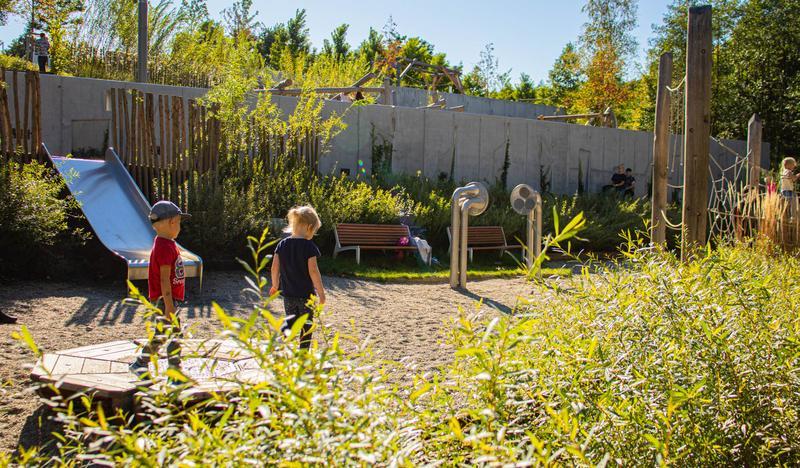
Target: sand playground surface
<point>402,321</point>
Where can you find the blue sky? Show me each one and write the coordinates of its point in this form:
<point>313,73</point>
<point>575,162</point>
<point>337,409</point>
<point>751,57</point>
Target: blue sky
<point>527,35</point>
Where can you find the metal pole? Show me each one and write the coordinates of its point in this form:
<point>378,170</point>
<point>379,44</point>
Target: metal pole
<point>462,277</point>
<point>537,237</point>
<point>455,231</point>
<point>141,69</point>
<point>529,255</point>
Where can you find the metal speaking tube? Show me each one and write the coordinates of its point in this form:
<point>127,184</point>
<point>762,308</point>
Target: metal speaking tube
<point>470,200</point>
<point>527,201</point>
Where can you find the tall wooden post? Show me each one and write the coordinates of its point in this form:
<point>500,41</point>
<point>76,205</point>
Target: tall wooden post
<point>754,151</point>
<point>387,91</point>
<point>141,69</point>
<point>658,220</point>
<point>698,129</point>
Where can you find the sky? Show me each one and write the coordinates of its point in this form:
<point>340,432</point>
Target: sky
<point>527,35</point>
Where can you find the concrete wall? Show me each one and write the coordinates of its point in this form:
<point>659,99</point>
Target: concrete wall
<point>75,115</point>
<point>415,97</point>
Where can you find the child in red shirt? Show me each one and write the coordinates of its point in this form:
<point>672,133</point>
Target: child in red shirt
<point>166,284</point>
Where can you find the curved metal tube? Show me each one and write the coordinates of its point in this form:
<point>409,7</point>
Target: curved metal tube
<point>455,230</point>
<point>537,229</point>
<point>462,276</point>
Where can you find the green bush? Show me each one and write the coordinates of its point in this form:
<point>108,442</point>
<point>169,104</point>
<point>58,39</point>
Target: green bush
<point>33,216</point>
<point>9,62</point>
<point>650,362</point>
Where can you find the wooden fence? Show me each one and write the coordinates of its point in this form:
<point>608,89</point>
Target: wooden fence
<point>168,143</point>
<point>20,125</point>
<point>92,62</point>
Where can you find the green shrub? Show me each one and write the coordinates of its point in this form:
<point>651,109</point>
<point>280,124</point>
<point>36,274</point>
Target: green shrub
<point>650,362</point>
<point>9,62</point>
<point>33,216</point>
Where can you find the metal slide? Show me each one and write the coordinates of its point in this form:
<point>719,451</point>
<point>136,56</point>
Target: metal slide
<point>117,210</point>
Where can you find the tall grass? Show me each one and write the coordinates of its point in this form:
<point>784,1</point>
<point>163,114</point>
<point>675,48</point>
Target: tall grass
<point>647,362</point>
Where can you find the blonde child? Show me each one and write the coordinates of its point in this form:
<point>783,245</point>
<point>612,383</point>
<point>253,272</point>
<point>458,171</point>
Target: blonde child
<point>788,177</point>
<point>295,272</point>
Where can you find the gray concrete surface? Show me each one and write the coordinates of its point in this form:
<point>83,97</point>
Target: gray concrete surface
<point>75,115</point>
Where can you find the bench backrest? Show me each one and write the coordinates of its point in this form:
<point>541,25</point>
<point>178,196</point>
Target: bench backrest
<point>483,236</point>
<point>371,234</point>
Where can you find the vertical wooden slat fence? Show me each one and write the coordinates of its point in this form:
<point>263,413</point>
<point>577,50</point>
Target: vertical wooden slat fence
<point>20,136</point>
<point>168,143</point>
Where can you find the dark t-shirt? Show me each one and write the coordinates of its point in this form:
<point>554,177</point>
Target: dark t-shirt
<point>293,254</point>
<point>616,179</point>
<point>629,180</point>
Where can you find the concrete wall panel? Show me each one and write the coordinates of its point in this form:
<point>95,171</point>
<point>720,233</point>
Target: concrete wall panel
<point>439,134</point>
<point>409,140</point>
<point>468,130</point>
<point>518,153</point>
<point>492,147</point>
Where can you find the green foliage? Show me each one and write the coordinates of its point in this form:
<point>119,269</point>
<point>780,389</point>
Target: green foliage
<point>645,362</point>
<point>15,63</point>
<point>33,215</point>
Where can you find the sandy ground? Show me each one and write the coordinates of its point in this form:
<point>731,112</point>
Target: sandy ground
<point>403,321</point>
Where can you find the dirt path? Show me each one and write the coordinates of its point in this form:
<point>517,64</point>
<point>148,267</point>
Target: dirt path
<point>401,320</point>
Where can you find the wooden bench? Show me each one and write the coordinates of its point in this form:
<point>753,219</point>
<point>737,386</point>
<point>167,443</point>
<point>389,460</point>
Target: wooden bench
<point>484,238</point>
<point>360,237</point>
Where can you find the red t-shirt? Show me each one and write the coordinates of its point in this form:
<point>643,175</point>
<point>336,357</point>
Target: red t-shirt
<point>165,252</point>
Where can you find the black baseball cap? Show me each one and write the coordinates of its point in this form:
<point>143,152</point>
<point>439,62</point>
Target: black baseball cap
<point>166,210</point>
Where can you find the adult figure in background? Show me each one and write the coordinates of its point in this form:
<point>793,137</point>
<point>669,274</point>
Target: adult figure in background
<point>630,183</point>
<point>618,179</point>
<point>42,52</point>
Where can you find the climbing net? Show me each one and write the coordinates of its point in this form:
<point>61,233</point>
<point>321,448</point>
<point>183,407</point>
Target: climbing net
<point>736,210</point>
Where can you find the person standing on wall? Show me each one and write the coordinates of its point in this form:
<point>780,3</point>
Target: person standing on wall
<point>42,52</point>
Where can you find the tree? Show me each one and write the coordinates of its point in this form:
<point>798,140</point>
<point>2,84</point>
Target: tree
<point>608,43</point>
<point>670,36</point>
<point>337,47</point>
<point>298,39</point>
<point>489,68</point>
<point>194,12</point>
<point>565,79</point>
<point>372,46</point>
<point>7,8</point>
<point>272,37</point>
<point>240,20</point>
<point>762,75</point>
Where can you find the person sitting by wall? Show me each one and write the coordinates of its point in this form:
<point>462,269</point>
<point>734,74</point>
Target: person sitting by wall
<point>617,181</point>
<point>630,183</point>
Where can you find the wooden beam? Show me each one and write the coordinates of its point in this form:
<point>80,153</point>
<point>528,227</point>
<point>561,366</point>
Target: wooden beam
<point>658,221</point>
<point>570,116</point>
<point>331,90</point>
<point>754,131</point>
<point>698,129</point>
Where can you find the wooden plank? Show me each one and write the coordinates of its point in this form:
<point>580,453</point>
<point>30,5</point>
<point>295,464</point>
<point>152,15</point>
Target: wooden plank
<point>754,131</point>
<point>5,124</point>
<point>68,365</point>
<point>16,101</point>
<point>45,365</point>
<point>25,118</point>
<point>125,155</point>
<point>161,147</point>
<point>95,366</point>
<point>698,129</point>
<point>95,349</point>
<point>112,93</point>
<point>661,151</point>
<point>37,119</point>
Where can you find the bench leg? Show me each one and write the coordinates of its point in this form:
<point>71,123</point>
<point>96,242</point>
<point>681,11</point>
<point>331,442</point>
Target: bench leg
<point>471,253</point>
<point>358,256</point>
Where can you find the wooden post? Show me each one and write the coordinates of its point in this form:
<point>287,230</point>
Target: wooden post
<point>387,91</point>
<point>754,128</point>
<point>698,129</point>
<point>661,151</point>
